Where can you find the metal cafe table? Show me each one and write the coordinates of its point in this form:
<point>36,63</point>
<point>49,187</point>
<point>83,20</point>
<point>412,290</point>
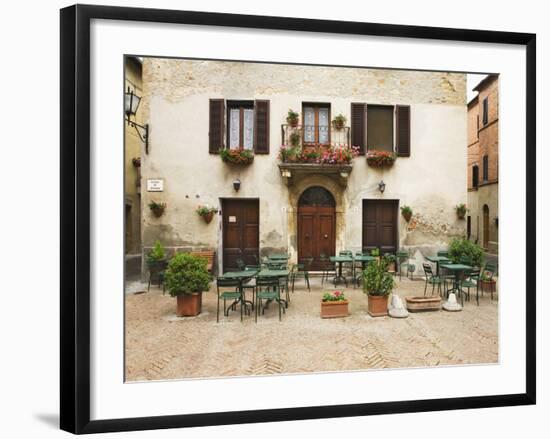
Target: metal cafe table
<point>438,260</point>
<point>458,270</point>
<point>241,276</point>
<point>340,260</point>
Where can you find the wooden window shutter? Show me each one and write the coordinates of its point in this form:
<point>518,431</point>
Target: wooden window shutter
<point>216,126</point>
<point>261,127</point>
<point>358,126</point>
<point>403,119</point>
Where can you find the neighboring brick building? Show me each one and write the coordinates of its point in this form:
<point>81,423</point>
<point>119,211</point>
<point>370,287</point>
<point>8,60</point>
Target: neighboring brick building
<point>482,220</point>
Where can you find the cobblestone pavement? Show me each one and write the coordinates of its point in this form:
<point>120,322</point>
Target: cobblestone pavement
<point>161,346</point>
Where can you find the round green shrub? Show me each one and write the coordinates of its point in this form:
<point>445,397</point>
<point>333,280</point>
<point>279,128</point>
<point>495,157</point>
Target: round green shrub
<point>462,247</point>
<point>377,281</point>
<point>186,274</point>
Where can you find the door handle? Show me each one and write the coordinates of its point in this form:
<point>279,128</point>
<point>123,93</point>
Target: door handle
<point>326,236</point>
<point>307,236</point>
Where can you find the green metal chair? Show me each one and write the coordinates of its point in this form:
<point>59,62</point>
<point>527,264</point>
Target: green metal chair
<point>471,280</point>
<point>234,295</point>
<point>443,253</point>
<point>329,268</point>
<point>268,290</point>
<point>431,279</point>
<point>302,270</point>
<point>401,256</point>
<point>489,271</point>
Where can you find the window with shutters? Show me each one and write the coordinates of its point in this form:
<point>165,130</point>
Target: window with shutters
<point>475,176</point>
<point>316,124</point>
<point>485,168</point>
<point>240,124</point>
<point>380,128</point>
<point>485,111</point>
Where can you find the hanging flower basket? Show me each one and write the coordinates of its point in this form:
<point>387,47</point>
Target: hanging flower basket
<point>237,156</point>
<point>157,208</point>
<point>381,158</point>
<point>207,213</point>
<point>461,211</point>
<point>406,211</point>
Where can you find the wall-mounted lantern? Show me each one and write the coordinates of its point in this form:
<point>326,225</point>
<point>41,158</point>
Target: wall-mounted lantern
<point>381,186</point>
<point>236,184</point>
<point>131,104</point>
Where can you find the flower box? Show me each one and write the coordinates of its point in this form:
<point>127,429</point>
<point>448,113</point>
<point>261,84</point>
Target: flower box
<point>380,158</point>
<point>237,156</point>
<point>432,303</point>
<point>334,309</point>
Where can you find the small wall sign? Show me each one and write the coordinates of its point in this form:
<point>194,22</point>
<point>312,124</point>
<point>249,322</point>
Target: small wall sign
<point>232,219</point>
<point>155,185</point>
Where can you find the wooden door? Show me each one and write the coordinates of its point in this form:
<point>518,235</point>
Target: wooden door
<point>241,228</point>
<point>316,226</point>
<point>380,225</point>
<point>485,226</point>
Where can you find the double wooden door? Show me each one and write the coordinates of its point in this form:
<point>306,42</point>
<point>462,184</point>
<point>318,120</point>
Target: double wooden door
<point>380,225</point>
<point>241,227</point>
<point>316,234</point>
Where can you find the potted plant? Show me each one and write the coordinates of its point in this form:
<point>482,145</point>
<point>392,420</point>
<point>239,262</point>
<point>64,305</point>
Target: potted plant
<point>377,284</point>
<point>381,158</point>
<point>375,253</point>
<point>238,156</point>
<point>292,118</point>
<point>157,208</point>
<point>487,283</point>
<point>295,139</point>
<point>207,213</point>
<point>464,249</point>
<point>339,122</point>
<point>156,261</point>
<point>390,258</point>
<point>186,278</point>
<point>461,211</point>
<point>334,305</point>
<point>407,212</point>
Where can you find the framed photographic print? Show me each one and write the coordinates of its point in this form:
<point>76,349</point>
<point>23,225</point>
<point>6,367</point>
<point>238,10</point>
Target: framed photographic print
<point>273,218</point>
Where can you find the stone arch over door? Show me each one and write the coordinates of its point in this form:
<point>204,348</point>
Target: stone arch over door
<point>295,192</point>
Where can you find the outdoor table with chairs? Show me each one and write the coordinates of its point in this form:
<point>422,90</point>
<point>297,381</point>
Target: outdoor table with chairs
<point>437,260</point>
<point>458,270</point>
<point>341,260</point>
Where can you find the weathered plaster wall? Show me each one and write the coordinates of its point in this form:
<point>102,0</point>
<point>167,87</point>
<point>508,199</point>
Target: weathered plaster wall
<point>176,96</point>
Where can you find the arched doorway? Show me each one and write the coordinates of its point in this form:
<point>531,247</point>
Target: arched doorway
<point>316,226</point>
<point>485,226</point>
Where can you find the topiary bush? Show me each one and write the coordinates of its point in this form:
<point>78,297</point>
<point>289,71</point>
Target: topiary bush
<point>186,274</point>
<point>462,247</point>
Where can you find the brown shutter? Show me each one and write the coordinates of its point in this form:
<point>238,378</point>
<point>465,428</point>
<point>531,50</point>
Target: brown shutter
<point>358,126</point>
<point>216,126</point>
<point>403,119</point>
<point>261,127</point>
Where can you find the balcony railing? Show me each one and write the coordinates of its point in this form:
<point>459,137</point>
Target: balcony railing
<point>314,135</point>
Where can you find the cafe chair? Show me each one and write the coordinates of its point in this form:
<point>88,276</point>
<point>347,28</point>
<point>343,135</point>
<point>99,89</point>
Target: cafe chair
<point>268,290</point>
<point>233,294</point>
<point>431,279</point>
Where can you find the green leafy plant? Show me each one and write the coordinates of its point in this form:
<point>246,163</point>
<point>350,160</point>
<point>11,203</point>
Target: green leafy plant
<point>461,210</point>
<point>292,118</point>
<point>157,208</point>
<point>375,252</point>
<point>295,139</point>
<point>462,248</point>
<point>407,212</point>
<point>186,274</point>
<point>377,281</point>
<point>237,156</point>
<point>339,121</point>
<point>157,253</point>
<point>205,210</point>
<point>336,296</point>
<point>390,257</point>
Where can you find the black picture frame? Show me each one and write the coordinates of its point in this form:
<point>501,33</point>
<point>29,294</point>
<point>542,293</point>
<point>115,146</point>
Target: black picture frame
<point>75,217</point>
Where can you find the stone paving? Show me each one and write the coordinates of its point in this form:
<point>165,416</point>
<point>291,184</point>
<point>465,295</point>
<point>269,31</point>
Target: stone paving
<point>161,346</point>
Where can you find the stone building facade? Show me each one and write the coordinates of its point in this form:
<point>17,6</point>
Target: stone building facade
<point>482,219</point>
<point>132,155</point>
<point>193,107</point>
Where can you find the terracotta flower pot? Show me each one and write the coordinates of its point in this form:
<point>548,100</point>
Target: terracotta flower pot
<point>334,309</point>
<point>158,212</point>
<point>488,285</point>
<point>207,217</point>
<point>420,303</point>
<point>460,215</point>
<point>378,306</point>
<point>391,267</point>
<point>293,122</point>
<point>189,304</point>
<point>407,216</point>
